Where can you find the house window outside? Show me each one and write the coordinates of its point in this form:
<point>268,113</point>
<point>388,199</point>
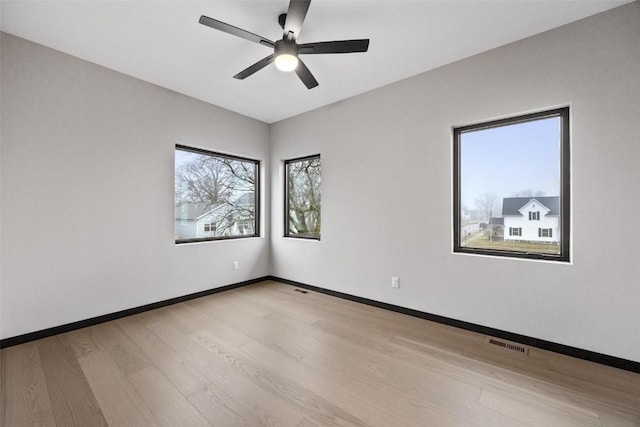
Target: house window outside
<point>515,231</point>
<point>302,198</point>
<point>545,232</point>
<point>213,194</point>
<point>509,173</point>
<point>245,226</point>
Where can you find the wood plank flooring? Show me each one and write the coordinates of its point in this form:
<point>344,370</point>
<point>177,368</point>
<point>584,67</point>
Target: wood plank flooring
<point>266,355</point>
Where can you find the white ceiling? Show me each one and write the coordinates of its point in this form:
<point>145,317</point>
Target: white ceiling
<point>161,42</point>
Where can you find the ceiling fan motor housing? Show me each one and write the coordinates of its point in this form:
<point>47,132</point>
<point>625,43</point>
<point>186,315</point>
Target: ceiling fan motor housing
<point>285,47</point>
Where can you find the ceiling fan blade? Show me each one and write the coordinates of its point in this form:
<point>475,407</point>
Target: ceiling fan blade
<point>239,32</point>
<point>338,46</point>
<point>305,75</point>
<point>295,17</point>
<point>255,67</point>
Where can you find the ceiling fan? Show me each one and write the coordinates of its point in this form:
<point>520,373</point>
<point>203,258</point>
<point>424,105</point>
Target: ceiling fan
<point>286,51</point>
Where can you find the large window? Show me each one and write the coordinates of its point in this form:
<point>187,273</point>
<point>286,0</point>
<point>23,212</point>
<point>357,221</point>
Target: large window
<point>511,187</point>
<point>216,196</point>
<point>302,198</point>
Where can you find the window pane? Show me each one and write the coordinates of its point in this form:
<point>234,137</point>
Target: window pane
<point>303,198</point>
<point>215,196</point>
<point>511,185</point>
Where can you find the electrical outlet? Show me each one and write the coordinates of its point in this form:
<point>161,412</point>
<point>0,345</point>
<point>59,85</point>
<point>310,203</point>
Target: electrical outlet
<point>236,265</point>
<point>395,282</point>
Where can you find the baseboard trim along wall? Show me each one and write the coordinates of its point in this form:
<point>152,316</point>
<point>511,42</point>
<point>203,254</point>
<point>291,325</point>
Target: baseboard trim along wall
<point>32,336</point>
<point>603,359</point>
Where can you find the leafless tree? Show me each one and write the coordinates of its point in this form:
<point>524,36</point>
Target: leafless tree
<point>487,203</point>
<point>218,181</point>
<point>304,197</point>
<point>204,179</point>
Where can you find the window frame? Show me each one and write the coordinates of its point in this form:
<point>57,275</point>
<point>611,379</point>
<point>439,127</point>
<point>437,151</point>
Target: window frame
<point>565,186</point>
<point>287,230</point>
<point>257,188</point>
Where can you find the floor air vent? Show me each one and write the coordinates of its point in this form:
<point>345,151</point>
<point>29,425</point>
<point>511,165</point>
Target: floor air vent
<point>509,346</point>
<point>301,291</point>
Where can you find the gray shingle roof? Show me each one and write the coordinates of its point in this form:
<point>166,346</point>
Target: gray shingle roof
<point>496,221</point>
<point>510,205</point>
<point>247,199</point>
<point>193,210</point>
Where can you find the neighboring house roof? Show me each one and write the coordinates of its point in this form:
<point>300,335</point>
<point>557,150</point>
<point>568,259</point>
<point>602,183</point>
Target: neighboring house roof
<point>247,199</point>
<point>496,221</point>
<point>512,205</point>
<point>194,210</point>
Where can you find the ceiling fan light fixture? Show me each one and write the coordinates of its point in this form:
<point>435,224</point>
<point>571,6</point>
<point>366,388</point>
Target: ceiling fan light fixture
<point>286,53</point>
<point>286,62</point>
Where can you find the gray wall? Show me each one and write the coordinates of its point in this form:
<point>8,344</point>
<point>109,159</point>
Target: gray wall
<point>87,191</point>
<point>386,189</point>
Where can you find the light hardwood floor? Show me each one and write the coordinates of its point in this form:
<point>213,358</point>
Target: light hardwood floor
<point>267,355</point>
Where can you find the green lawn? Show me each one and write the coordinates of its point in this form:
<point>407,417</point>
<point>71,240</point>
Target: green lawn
<point>482,242</point>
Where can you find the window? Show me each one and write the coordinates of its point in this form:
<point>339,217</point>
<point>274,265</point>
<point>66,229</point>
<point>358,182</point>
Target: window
<point>513,175</point>
<point>515,231</point>
<point>245,226</point>
<point>545,232</point>
<point>216,196</point>
<point>302,198</point>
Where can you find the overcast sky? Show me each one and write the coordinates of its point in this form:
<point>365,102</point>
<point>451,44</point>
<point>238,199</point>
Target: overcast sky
<point>510,159</point>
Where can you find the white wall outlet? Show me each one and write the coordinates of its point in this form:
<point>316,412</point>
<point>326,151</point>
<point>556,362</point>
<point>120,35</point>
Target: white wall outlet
<point>395,282</point>
<point>236,265</point>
